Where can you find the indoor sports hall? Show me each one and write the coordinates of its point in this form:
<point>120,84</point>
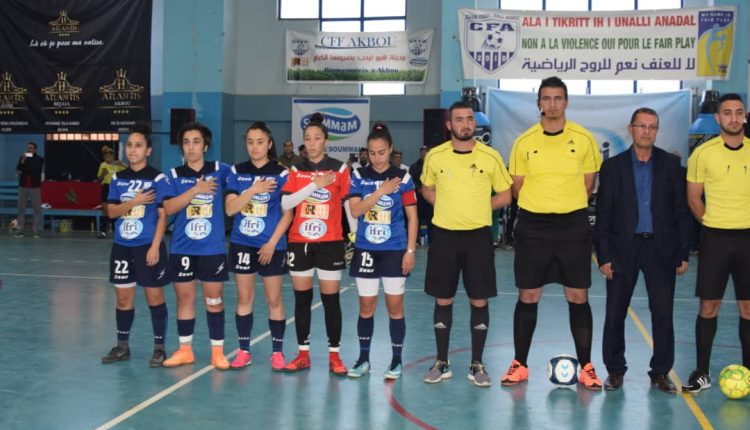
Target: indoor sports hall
<point>76,76</point>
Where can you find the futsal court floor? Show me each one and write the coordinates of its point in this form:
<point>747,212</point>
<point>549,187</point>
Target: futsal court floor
<point>57,320</point>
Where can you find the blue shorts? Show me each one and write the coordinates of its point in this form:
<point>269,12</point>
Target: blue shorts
<point>243,260</point>
<point>207,268</point>
<point>127,264</point>
<point>376,264</point>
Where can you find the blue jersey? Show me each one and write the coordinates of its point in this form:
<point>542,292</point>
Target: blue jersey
<point>199,226</point>
<point>138,226</point>
<point>255,223</point>
<point>382,227</point>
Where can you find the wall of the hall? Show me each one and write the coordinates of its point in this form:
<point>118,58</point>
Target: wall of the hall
<point>225,59</point>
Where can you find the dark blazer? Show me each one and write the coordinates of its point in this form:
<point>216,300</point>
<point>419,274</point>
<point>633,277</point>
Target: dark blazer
<point>617,210</point>
<point>31,167</point>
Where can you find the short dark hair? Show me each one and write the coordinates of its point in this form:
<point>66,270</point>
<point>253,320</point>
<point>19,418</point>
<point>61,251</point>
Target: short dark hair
<point>728,97</point>
<point>202,129</point>
<point>458,105</point>
<point>144,129</point>
<point>552,82</point>
<point>301,147</point>
<point>645,110</point>
<point>33,144</point>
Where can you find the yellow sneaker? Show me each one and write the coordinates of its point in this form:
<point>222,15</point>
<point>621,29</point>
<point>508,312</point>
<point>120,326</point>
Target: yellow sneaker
<point>182,356</point>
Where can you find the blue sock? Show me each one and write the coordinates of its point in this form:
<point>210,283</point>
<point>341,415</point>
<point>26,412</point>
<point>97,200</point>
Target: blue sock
<point>124,320</point>
<point>215,325</point>
<point>277,328</point>
<point>185,327</point>
<point>159,323</point>
<point>365,328</point>
<point>398,332</point>
<point>244,328</point>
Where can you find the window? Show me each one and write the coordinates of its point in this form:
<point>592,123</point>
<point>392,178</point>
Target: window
<point>353,16</point>
<point>593,86</point>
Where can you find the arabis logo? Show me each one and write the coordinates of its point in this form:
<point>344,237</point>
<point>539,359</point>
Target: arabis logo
<point>341,123</point>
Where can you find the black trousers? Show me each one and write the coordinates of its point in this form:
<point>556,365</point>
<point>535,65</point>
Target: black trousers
<point>660,285</point>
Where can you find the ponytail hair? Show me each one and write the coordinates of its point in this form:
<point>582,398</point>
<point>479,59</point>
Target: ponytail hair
<point>380,131</point>
<point>259,125</point>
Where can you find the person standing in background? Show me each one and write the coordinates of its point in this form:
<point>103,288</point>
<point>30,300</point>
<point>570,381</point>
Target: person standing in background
<point>29,171</point>
<point>107,169</point>
<point>288,158</point>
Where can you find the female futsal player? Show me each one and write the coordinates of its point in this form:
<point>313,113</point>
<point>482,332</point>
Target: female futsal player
<point>197,250</point>
<point>380,194</point>
<point>258,242</point>
<point>138,253</point>
<point>316,189</point>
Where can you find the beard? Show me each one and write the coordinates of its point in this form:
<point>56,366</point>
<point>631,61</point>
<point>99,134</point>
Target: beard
<point>462,137</point>
<point>731,132</point>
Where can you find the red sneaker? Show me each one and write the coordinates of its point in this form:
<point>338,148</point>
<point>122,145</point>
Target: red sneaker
<point>301,362</point>
<point>335,365</point>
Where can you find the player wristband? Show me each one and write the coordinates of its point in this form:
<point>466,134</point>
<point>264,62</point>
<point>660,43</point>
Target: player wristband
<point>410,251</point>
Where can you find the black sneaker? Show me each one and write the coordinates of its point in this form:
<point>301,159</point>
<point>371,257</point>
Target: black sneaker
<point>157,358</point>
<point>118,353</point>
<point>697,382</point>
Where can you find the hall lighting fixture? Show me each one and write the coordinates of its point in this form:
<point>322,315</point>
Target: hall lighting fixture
<point>75,137</point>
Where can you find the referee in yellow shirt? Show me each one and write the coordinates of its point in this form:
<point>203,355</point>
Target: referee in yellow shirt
<point>719,168</point>
<point>553,165</point>
<point>458,179</point>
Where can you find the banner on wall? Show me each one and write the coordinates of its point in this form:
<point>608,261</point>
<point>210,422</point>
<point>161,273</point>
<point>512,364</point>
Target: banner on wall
<point>347,121</point>
<point>73,65</point>
<point>329,58</point>
<point>690,43</point>
<point>607,117</point>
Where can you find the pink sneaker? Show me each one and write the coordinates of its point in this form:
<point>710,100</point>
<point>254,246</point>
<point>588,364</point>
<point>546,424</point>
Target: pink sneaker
<point>277,362</point>
<point>241,360</point>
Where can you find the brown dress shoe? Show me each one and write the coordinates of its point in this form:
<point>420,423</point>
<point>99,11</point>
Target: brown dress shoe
<point>663,383</point>
<point>613,382</point>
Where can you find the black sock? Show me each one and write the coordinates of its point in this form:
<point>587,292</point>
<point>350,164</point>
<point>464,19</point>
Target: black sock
<point>159,323</point>
<point>443,319</point>
<point>480,322</point>
<point>185,327</point>
<point>332,309</point>
<point>365,329</point>
<point>302,303</point>
<point>124,321</point>
<point>215,322</point>
<point>582,328</point>
<point>705,330</point>
<point>277,328</point>
<point>745,341</point>
<point>524,323</point>
<point>397,327</point>
<point>244,324</point>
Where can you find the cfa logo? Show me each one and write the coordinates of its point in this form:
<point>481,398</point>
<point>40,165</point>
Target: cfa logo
<point>491,41</point>
<point>341,123</point>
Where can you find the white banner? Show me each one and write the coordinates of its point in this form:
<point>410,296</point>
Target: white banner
<point>329,58</point>
<point>607,117</point>
<point>690,43</point>
<point>347,121</point>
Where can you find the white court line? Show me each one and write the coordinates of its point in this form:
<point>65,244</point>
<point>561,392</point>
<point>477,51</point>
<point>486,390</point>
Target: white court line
<point>167,391</point>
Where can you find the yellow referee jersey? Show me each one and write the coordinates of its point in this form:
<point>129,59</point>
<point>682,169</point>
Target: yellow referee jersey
<point>725,175</point>
<point>463,184</point>
<point>553,167</point>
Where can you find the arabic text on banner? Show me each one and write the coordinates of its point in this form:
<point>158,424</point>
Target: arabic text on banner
<point>330,58</point>
<point>690,43</point>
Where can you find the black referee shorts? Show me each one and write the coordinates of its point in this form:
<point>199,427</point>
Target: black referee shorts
<point>553,248</point>
<point>460,252</point>
<point>722,253</point>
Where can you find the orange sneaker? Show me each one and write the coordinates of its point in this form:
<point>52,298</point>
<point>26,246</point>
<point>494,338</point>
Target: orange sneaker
<point>301,362</point>
<point>182,356</point>
<point>588,378</point>
<point>218,359</point>
<point>516,373</point>
<point>335,365</point>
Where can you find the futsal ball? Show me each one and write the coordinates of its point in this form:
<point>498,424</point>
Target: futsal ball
<point>562,370</point>
<point>734,381</point>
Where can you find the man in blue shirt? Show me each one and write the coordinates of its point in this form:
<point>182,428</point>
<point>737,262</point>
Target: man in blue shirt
<point>641,226</point>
